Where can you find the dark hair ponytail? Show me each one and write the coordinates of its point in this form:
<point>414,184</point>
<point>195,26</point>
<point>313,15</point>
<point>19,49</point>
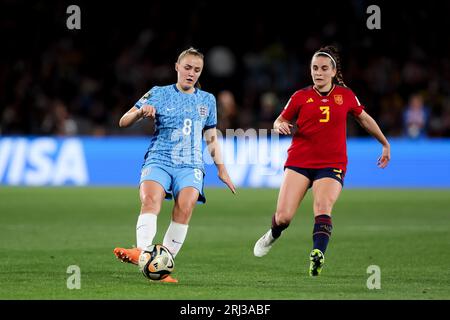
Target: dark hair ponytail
<point>333,51</point>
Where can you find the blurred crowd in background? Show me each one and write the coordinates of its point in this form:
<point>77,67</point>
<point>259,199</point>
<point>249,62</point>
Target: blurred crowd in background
<point>55,81</point>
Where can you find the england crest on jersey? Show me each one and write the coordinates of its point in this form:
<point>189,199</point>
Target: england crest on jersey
<point>202,111</point>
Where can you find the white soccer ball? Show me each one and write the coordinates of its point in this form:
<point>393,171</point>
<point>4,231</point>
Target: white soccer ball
<point>156,262</point>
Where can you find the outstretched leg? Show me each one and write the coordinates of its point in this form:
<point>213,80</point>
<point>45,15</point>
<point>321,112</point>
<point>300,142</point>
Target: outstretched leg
<point>152,195</point>
<point>292,191</point>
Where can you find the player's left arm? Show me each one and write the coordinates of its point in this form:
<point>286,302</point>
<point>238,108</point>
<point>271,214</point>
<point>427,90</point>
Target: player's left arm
<point>216,154</point>
<point>371,126</point>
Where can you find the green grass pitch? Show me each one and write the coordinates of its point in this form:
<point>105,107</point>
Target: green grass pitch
<point>45,230</point>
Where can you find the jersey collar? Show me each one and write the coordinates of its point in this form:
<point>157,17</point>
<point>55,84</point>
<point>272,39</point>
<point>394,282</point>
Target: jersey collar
<point>176,89</point>
<point>328,94</point>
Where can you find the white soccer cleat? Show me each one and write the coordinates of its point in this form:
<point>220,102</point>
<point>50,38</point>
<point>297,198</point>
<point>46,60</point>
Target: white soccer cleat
<point>263,245</point>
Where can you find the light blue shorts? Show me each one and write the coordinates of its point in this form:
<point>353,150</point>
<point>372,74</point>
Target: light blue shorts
<point>174,179</point>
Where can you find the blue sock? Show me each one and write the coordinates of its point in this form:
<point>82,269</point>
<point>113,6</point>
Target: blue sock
<point>322,232</point>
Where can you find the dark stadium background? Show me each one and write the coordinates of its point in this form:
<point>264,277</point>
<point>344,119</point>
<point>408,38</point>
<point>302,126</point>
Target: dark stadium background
<point>79,82</point>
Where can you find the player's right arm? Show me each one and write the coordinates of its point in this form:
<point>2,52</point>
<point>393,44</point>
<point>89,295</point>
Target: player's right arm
<point>282,126</point>
<point>134,114</point>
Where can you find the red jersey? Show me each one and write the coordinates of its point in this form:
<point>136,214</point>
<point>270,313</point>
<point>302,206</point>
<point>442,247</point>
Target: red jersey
<point>320,141</point>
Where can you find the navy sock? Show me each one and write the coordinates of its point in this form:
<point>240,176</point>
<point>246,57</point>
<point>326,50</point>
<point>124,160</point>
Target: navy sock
<point>322,232</point>
<point>277,228</point>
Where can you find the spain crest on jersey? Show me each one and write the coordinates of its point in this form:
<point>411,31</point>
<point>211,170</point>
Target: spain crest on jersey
<point>338,99</point>
<point>202,111</point>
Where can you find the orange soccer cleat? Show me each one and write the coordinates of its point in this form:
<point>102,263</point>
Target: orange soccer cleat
<point>169,279</point>
<point>128,255</point>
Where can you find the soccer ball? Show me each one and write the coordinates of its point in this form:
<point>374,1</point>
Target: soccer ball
<point>156,262</point>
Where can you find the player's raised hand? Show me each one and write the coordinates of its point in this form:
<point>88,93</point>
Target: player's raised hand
<point>148,111</point>
<point>284,128</point>
<point>385,157</point>
<point>223,175</point>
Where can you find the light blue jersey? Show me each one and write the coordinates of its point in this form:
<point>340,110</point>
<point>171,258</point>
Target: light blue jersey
<point>179,122</point>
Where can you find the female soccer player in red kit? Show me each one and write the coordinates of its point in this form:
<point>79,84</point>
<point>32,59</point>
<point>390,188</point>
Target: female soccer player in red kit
<point>317,157</point>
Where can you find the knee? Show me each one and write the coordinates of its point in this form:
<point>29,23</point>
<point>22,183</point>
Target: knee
<point>183,211</point>
<point>324,205</point>
<point>283,217</point>
<point>151,203</point>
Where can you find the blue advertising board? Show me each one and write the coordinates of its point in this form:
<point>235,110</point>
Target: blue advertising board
<point>251,162</point>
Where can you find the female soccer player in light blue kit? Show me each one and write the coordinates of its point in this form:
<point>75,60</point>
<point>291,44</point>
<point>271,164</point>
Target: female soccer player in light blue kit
<point>173,166</point>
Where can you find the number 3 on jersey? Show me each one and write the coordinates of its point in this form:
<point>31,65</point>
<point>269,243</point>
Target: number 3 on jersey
<point>326,112</point>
